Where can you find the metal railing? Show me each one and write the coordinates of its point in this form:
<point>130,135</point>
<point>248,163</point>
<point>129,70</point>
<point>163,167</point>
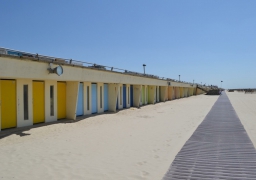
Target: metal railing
<point>39,57</point>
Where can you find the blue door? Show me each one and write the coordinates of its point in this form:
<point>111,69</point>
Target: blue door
<point>94,98</point>
<point>124,96</point>
<point>80,101</point>
<point>105,97</point>
<point>131,95</point>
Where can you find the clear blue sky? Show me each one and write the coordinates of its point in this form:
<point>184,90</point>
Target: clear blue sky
<point>204,40</point>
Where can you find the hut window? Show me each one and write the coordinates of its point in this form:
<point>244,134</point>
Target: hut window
<point>88,98</point>
<point>100,96</point>
<point>25,101</point>
<point>128,95</point>
<point>52,100</point>
<point>121,95</point>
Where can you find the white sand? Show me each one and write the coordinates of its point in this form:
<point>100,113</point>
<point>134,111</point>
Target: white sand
<point>131,144</point>
<point>245,107</point>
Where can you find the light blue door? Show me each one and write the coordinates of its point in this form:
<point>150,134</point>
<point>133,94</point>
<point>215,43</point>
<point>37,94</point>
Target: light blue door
<point>94,98</point>
<point>105,97</point>
<point>80,101</point>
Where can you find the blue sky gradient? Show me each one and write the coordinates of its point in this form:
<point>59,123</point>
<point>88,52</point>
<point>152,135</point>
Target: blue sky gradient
<point>207,41</point>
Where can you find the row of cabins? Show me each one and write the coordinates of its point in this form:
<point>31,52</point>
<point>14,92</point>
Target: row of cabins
<point>29,94</point>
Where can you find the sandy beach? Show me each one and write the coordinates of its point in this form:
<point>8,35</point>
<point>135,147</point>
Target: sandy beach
<point>244,105</point>
<point>130,144</point>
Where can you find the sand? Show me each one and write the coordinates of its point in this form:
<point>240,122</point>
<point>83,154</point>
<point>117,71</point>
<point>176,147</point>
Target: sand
<point>245,107</point>
<point>131,144</point>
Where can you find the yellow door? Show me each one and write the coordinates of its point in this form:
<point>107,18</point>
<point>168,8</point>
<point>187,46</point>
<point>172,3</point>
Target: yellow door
<point>8,104</point>
<point>38,102</point>
<point>181,92</point>
<point>61,100</point>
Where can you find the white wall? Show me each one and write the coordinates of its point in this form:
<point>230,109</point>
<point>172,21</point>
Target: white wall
<point>100,108</point>
<point>112,96</point>
<point>25,68</point>
<point>158,93</point>
<point>120,96</point>
<point>71,99</point>
<point>128,96</point>
<point>48,117</point>
<point>20,102</point>
<point>86,109</point>
<point>146,94</point>
<point>137,95</point>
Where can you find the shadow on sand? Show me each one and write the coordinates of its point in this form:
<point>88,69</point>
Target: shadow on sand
<point>22,131</point>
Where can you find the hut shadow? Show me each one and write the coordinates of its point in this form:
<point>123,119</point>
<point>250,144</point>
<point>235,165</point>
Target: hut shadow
<point>24,131</point>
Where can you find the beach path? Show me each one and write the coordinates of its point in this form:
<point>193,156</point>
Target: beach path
<point>219,148</point>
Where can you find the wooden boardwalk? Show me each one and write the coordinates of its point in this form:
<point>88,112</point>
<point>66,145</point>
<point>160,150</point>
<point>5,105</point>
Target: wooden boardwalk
<point>219,148</point>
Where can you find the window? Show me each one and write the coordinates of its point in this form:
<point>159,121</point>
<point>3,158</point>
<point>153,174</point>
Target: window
<point>141,97</point>
<point>100,96</point>
<point>121,95</point>
<point>88,98</point>
<point>128,95</point>
<point>52,100</point>
<point>25,101</point>
<point>146,98</point>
